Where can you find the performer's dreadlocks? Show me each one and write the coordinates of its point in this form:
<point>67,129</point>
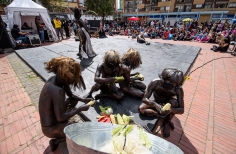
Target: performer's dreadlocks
<point>111,59</point>
<point>68,71</point>
<point>132,59</point>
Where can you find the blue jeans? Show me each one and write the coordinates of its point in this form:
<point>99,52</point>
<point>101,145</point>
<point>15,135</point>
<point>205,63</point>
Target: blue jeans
<point>42,35</point>
<point>23,38</point>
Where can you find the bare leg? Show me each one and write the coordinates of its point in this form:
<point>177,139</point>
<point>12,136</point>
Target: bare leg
<point>115,93</point>
<point>168,125</point>
<point>95,87</point>
<point>133,92</point>
<point>139,85</point>
<point>55,142</point>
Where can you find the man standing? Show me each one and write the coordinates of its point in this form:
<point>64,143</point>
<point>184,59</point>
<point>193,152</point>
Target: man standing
<point>41,29</point>
<point>58,28</point>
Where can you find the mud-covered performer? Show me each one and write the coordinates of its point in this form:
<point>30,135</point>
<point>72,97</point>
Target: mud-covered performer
<point>132,85</point>
<point>85,46</point>
<point>141,39</point>
<point>166,89</point>
<point>54,109</point>
<point>106,77</point>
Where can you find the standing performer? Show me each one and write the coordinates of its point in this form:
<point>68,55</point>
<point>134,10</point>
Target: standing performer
<point>85,46</point>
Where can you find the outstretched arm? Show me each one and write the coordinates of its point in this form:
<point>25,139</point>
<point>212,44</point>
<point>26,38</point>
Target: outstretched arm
<point>58,98</point>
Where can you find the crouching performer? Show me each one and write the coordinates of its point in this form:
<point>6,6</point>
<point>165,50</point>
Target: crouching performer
<point>106,77</point>
<point>141,39</point>
<point>166,89</point>
<point>131,84</point>
<point>54,109</point>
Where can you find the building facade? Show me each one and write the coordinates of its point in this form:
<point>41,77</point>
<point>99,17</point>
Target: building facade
<point>174,10</point>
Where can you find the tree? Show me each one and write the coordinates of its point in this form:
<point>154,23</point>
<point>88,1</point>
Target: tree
<point>102,7</point>
<point>4,3</point>
<point>52,5</point>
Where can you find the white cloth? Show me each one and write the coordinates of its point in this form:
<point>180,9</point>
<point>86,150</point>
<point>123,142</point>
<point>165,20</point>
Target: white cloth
<point>19,8</point>
<point>88,46</point>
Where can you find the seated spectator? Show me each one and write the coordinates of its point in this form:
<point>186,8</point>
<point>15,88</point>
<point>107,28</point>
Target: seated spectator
<point>165,35</point>
<point>18,35</point>
<point>212,37</point>
<point>110,33</point>
<point>188,36</point>
<point>219,37</point>
<point>25,26</point>
<point>223,45</point>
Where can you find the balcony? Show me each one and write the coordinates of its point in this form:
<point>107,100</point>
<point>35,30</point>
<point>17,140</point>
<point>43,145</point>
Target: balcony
<point>129,6</point>
<point>183,1</point>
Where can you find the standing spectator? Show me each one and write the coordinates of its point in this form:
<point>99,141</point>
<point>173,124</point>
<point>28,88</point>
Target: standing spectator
<point>66,28</point>
<point>74,26</point>
<point>58,28</point>
<point>41,29</point>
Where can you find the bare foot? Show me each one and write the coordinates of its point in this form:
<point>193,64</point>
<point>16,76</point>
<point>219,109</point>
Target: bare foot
<point>53,144</point>
<point>166,130</point>
<point>158,126</point>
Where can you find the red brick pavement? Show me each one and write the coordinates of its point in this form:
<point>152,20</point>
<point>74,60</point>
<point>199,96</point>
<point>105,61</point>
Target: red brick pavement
<point>20,130</point>
<point>208,124</point>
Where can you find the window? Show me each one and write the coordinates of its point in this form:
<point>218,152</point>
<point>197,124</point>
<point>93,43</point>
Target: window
<point>221,5</point>
<point>162,8</point>
<point>208,5</point>
<point>154,1</point>
<point>232,5</point>
<point>199,6</point>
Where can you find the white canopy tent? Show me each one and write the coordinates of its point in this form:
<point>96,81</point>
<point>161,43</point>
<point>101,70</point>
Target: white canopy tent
<point>19,8</point>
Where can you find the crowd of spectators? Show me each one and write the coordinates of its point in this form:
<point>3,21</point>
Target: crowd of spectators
<point>206,32</point>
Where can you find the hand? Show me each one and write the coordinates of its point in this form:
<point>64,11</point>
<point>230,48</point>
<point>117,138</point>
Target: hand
<point>84,107</point>
<point>86,100</point>
<point>166,112</point>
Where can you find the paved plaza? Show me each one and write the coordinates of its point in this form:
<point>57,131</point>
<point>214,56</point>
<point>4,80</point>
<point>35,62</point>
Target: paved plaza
<point>208,124</point>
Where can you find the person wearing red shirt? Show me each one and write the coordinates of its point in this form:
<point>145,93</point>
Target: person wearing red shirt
<point>166,34</point>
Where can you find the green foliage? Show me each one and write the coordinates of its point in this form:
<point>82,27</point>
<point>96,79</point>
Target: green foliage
<point>52,5</point>
<point>5,2</point>
<point>102,7</point>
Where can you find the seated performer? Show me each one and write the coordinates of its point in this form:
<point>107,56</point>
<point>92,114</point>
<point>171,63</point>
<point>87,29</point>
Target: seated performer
<point>141,39</point>
<point>166,89</point>
<point>53,108</point>
<point>105,77</point>
<point>132,60</point>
